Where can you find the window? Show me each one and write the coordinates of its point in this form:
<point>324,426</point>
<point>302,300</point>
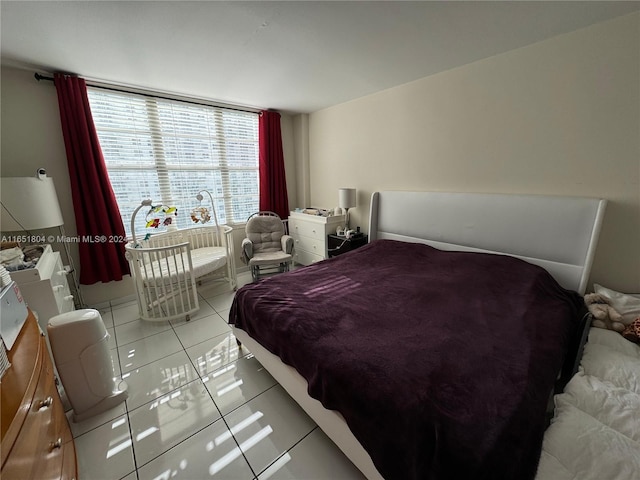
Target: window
<point>169,150</point>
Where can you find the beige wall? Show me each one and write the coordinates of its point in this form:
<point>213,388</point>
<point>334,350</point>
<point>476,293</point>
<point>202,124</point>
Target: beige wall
<point>32,138</point>
<point>558,117</point>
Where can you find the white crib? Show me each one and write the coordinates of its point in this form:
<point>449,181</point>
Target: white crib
<point>168,267</point>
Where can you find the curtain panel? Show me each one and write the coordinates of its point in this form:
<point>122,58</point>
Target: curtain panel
<point>97,214</point>
<point>273,183</point>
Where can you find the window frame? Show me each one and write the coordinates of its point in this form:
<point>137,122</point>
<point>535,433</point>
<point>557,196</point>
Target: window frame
<point>161,168</point>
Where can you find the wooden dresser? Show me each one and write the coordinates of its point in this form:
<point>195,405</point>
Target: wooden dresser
<point>36,438</point>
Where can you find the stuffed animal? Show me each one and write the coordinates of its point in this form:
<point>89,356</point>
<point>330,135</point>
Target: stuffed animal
<point>604,315</point>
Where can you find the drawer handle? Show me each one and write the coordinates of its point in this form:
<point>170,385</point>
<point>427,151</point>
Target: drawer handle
<point>46,403</point>
<point>62,272</point>
<point>68,297</point>
<point>55,445</point>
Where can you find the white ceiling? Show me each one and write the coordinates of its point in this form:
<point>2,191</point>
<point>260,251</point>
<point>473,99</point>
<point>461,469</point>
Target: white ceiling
<point>291,56</point>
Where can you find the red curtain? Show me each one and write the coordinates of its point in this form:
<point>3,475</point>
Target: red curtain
<point>98,220</point>
<point>273,184</point>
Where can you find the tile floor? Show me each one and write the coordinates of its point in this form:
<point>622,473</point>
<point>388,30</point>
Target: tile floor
<point>199,407</point>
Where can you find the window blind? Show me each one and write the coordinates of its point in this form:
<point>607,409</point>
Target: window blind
<point>169,150</point>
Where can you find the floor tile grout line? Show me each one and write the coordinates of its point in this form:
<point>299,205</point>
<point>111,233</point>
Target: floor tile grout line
<point>224,420</point>
<point>200,378</point>
<point>133,448</point>
<point>149,363</point>
<point>173,327</point>
<point>126,407</point>
<point>177,444</point>
<point>126,404</point>
<point>256,475</point>
<point>289,449</point>
<point>195,367</point>
<point>222,417</point>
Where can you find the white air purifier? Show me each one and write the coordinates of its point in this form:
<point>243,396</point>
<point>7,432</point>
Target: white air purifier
<point>79,343</point>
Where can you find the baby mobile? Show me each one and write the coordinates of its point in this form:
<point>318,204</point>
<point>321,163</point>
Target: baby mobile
<point>163,215</point>
<point>201,214</point>
<point>159,215</point>
<point>156,216</point>
<point>167,212</point>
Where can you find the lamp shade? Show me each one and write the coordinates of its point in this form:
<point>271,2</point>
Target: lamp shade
<point>347,197</point>
<point>29,203</point>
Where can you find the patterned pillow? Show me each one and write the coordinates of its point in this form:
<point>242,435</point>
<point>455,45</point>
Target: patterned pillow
<point>632,332</point>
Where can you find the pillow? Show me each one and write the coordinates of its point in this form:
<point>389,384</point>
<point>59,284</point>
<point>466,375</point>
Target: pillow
<point>632,332</point>
<point>626,305</point>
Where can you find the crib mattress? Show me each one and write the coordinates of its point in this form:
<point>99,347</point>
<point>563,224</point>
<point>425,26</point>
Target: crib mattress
<point>207,260</point>
<point>204,260</point>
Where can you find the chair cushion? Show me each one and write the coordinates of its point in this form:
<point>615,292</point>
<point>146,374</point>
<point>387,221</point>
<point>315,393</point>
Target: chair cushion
<point>270,258</point>
<point>265,233</point>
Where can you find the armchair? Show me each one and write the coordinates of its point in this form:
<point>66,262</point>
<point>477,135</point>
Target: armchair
<point>266,247</point>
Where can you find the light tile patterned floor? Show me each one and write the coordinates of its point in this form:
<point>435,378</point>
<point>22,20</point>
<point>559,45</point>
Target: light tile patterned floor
<point>199,407</point>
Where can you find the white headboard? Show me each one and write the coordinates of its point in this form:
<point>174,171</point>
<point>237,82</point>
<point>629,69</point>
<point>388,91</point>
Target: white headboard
<point>557,233</point>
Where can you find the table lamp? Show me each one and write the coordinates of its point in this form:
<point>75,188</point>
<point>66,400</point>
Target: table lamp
<point>29,203</point>
<point>347,200</point>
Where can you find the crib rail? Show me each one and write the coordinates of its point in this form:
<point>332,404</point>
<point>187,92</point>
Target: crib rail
<point>165,283</point>
<point>202,237</point>
<point>199,237</point>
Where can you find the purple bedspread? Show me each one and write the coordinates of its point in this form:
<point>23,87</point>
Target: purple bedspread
<point>441,362</point>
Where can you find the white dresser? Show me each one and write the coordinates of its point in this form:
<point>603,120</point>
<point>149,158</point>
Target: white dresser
<point>45,288</point>
<point>309,233</point>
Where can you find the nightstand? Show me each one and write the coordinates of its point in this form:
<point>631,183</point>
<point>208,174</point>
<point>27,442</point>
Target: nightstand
<point>338,244</point>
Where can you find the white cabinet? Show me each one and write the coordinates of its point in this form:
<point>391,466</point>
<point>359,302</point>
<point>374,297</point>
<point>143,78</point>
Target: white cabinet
<point>309,233</point>
<point>45,288</point>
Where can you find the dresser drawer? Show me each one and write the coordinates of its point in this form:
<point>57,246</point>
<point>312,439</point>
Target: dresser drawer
<point>308,244</point>
<point>306,229</point>
<point>69,465</point>
<point>61,428</point>
<point>40,272</point>
<point>38,443</point>
<point>306,258</point>
<point>309,233</point>
<point>42,435</point>
<point>49,296</point>
<point>60,287</point>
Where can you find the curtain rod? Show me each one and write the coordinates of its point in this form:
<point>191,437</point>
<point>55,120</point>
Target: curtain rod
<point>42,77</point>
<point>39,77</point>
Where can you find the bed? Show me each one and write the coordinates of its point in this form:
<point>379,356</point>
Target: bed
<point>477,363</point>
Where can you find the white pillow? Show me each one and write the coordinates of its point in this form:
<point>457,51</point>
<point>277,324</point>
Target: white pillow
<point>625,304</point>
